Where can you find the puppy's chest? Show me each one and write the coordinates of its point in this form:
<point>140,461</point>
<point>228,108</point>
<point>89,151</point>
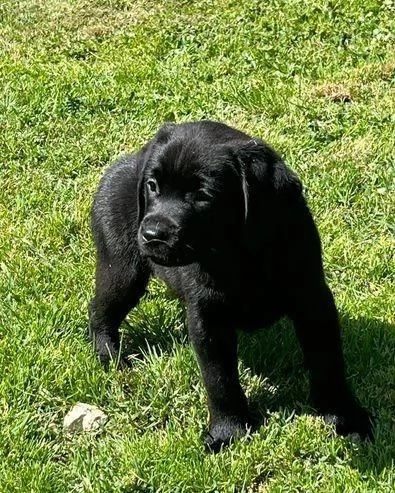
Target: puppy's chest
<point>256,303</point>
<point>250,298</point>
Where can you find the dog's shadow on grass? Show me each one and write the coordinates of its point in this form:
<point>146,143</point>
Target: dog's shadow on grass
<point>369,347</point>
<point>274,355</point>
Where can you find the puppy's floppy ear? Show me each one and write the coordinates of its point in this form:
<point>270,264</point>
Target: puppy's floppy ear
<point>161,137</point>
<point>246,153</point>
<point>244,186</point>
<point>263,171</point>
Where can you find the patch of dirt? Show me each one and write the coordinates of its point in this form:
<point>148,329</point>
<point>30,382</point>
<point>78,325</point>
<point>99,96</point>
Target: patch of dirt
<point>334,92</point>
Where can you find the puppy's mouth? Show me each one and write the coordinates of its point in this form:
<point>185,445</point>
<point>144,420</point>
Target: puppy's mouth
<point>165,253</point>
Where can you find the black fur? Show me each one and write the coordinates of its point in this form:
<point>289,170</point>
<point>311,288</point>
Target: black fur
<point>221,219</point>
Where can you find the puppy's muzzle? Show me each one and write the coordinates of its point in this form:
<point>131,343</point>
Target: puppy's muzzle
<point>154,236</point>
<point>161,239</point>
<point>156,231</point>
<point>158,236</point>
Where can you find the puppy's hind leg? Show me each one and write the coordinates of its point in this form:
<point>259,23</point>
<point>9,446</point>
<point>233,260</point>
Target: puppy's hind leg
<point>120,284</point>
<point>315,318</point>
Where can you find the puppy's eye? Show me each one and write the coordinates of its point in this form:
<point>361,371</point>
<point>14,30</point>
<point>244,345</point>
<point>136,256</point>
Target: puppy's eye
<point>202,196</point>
<point>152,185</point>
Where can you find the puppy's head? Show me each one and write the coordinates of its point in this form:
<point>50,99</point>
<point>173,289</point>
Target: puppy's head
<point>192,197</point>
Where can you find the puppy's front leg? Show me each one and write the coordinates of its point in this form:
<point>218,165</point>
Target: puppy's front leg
<point>216,351</point>
<point>119,286</point>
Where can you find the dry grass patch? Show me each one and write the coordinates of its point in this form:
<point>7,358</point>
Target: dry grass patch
<point>41,24</point>
<point>337,93</point>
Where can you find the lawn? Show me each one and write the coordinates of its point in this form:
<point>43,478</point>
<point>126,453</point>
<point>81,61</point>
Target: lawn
<point>83,81</point>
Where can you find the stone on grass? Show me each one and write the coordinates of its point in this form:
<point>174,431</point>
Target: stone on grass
<point>84,417</point>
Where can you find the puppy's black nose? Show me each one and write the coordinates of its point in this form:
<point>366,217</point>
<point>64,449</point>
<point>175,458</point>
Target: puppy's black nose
<point>155,232</point>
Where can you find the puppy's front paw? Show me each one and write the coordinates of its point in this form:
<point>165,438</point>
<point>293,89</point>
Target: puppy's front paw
<point>108,353</point>
<point>353,419</point>
<point>106,358</point>
<point>224,432</point>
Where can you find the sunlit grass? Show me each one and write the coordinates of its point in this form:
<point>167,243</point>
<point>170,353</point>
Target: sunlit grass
<point>82,81</point>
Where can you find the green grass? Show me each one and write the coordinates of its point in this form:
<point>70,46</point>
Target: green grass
<point>82,81</point>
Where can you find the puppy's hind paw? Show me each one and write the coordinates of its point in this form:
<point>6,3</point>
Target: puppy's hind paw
<point>353,421</point>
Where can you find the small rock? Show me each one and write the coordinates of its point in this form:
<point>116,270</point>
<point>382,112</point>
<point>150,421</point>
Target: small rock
<point>84,417</point>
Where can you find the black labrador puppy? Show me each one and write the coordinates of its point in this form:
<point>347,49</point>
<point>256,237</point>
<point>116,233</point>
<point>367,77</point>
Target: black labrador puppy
<point>221,219</point>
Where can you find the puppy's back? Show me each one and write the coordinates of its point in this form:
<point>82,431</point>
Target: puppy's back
<point>114,211</point>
